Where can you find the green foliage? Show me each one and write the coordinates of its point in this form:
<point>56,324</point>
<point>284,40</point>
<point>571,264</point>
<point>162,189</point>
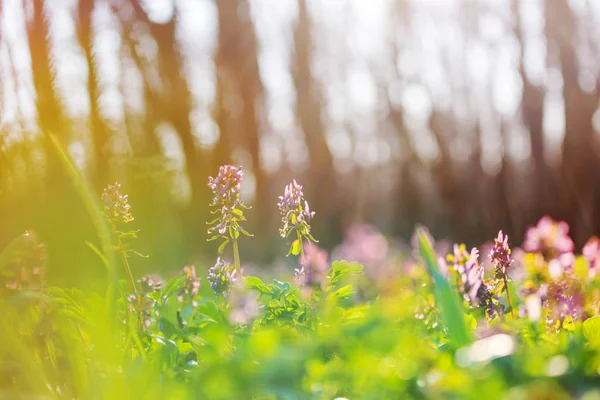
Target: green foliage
<point>344,335</point>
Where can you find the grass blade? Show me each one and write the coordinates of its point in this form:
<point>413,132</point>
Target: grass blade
<point>445,297</point>
<point>90,200</point>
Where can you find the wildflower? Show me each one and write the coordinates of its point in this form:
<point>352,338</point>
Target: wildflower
<point>296,216</point>
<point>116,207</point>
<point>591,252</point>
<point>364,244</point>
<point>459,257</point>
<point>221,277</point>
<point>226,186</point>
<point>472,277</point>
<point>244,306</point>
<point>500,255</point>
<point>191,285</point>
<point>313,266</point>
<point>548,237</point>
<point>565,298</point>
<point>141,302</point>
<point>226,190</point>
<point>471,284</point>
<point>150,283</point>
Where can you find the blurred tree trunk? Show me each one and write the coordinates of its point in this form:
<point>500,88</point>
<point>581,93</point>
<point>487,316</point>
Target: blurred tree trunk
<point>50,115</point>
<point>239,98</point>
<point>173,102</point>
<point>99,130</point>
<point>532,116</point>
<point>578,145</point>
<point>309,104</point>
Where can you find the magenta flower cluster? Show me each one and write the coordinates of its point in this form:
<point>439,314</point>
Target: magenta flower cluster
<point>548,237</point>
<point>500,255</point>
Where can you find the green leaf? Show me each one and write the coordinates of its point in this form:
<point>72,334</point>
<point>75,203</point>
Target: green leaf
<point>591,331</point>
<point>255,283</point>
<point>215,237</point>
<point>345,292</point>
<point>172,286</point>
<point>221,248</point>
<point>445,297</point>
<point>252,281</point>
<point>211,312</point>
<point>294,248</point>
<point>343,268</point>
<point>244,232</point>
<point>238,212</point>
<point>471,321</point>
<point>283,286</point>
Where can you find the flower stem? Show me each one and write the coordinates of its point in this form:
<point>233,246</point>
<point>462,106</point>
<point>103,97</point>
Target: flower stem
<point>301,245</point>
<point>236,259</point>
<point>126,265</point>
<point>512,310</point>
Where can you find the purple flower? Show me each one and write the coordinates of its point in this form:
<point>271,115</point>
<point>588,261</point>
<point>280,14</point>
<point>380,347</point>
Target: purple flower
<point>141,302</point>
<point>191,285</point>
<point>548,237</point>
<point>591,252</point>
<point>364,244</point>
<point>472,277</point>
<point>500,255</point>
<point>471,283</point>
<point>459,257</point>
<point>294,210</point>
<point>313,266</point>
<point>221,276</point>
<point>226,191</point>
<point>291,202</point>
<point>244,306</point>
<point>565,297</point>
<point>116,208</point>
<point>226,186</point>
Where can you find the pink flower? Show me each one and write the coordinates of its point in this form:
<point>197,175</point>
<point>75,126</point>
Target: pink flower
<point>548,237</point>
<point>591,251</point>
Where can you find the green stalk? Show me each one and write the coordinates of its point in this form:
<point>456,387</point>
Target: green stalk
<point>236,259</point>
<point>301,245</point>
<point>512,310</point>
<point>126,265</point>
